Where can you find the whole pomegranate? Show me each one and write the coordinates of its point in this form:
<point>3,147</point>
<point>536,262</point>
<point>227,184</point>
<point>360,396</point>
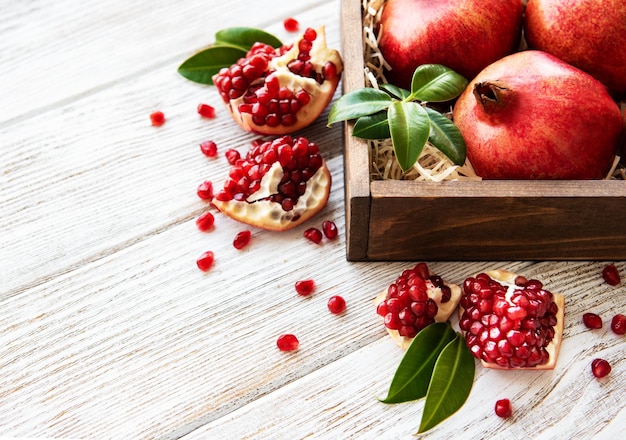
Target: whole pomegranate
<point>589,34</point>
<point>464,35</point>
<point>533,116</point>
<point>278,185</point>
<point>511,322</point>
<point>278,91</point>
<point>416,299</point>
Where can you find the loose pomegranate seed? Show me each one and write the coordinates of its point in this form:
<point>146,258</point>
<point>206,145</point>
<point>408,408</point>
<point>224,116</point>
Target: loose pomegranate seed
<point>232,156</point>
<point>330,229</point>
<point>503,408</point>
<point>242,239</point>
<point>291,24</point>
<point>305,287</point>
<point>314,235</point>
<point>205,221</point>
<point>611,275</point>
<point>600,368</point>
<point>206,111</point>
<point>336,304</point>
<point>287,342</point>
<point>591,320</point>
<point>205,190</point>
<point>618,324</point>
<point>209,148</point>
<point>157,118</point>
<point>205,261</point>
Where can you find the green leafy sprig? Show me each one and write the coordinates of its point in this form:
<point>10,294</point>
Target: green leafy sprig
<point>230,45</point>
<point>402,115</point>
<point>439,366</point>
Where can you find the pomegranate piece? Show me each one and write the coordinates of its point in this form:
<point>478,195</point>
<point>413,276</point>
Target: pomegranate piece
<point>157,118</point>
<point>592,321</point>
<point>242,239</point>
<point>277,186</point>
<point>209,148</point>
<point>611,275</point>
<point>291,24</point>
<point>206,260</point>
<point>336,304</point>
<point>305,287</point>
<point>503,408</point>
<point>287,342</point>
<point>232,156</point>
<point>600,368</point>
<point>618,324</point>
<point>279,91</point>
<point>510,322</point>
<point>206,111</point>
<point>205,190</point>
<point>416,299</point>
<point>330,229</point>
<point>314,235</point>
<point>205,221</point>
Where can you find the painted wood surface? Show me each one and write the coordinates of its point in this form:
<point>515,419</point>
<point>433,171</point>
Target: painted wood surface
<point>107,328</point>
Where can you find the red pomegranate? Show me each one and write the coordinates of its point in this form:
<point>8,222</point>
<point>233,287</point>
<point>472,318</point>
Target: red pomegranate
<point>589,34</point>
<point>533,116</point>
<point>415,300</point>
<point>464,35</point>
<point>278,185</point>
<point>511,322</point>
<point>278,91</point>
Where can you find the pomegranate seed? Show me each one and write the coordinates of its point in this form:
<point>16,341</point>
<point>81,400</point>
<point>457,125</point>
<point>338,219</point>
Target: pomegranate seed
<point>600,368</point>
<point>291,24</point>
<point>232,156</point>
<point>287,342</point>
<point>591,320</point>
<point>611,275</point>
<point>305,287</point>
<point>242,239</point>
<point>205,221</point>
<point>314,235</point>
<point>205,190</point>
<point>330,229</point>
<point>618,324</point>
<point>206,111</point>
<point>157,118</point>
<point>336,304</point>
<point>209,148</point>
<point>503,408</point>
<point>205,261</point>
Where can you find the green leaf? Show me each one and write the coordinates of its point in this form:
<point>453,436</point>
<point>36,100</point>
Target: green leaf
<point>395,91</point>
<point>450,384</point>
<point>245,37</point>
<point>436,83</point>
<point>410,127</point>
<point>446,137</point>
<point>357,103</point>
<point>374,126</point>
<point>203,65</point>
<point>410,382</point>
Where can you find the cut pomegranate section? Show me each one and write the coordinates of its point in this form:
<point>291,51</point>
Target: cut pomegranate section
<point>511,322</point>
<point>277,186</point>
<point>278,91</point>
<point>416,299</point>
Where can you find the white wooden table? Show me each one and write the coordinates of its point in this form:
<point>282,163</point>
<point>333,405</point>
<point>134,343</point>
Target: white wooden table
<point>108,329</point>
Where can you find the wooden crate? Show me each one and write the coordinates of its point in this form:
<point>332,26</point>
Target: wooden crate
<point>477,220</point>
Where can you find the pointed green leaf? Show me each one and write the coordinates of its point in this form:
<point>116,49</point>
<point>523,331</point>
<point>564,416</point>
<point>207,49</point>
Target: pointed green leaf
<point>446,137</point>
<point>203,65</point>
<point>374,126</point>
<point>450,384</point>
<point>410,382</point>
<point>245,37</point>
<point>436,83</point>
<point>357,103</point>
<point>410,127</point>
<point>395,91</point>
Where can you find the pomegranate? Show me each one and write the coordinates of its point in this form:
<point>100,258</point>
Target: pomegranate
<point>330,229</point>
<point>287,342</point>
<point>511,322</point>
<point>416,299</point>
<point>592,320</point>
<point>209,149</point>
<point>618,324</point>
<point>206,111</point>
<point>503,408</point>
<point>611,275</point>
<point>278,91</point>
<point>600,368</point>
<point>242,239</point>
<point>291,24</point>
<point>336,304</point>
<point>464,35</point>
<point>157,118</point>
<point>314,235</point>
<point>596,45</point>
<point>305,287</point>
<point>278,185</point>
<point>532,116</point>
<point>205,221</point>
<point>206,260</point>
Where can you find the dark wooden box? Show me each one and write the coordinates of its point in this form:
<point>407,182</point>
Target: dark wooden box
<point>475,220</point>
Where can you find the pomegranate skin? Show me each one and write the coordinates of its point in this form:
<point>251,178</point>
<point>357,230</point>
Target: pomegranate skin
<point>464,35</point>
<point>589,34</point>
<point>533,116</point>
